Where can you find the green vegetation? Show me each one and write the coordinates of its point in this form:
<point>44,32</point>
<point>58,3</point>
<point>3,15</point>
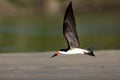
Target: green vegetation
<point>34,34</point>
<point>35,25</point>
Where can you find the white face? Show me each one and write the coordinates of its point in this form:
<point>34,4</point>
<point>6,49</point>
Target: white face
<point>62,52</point>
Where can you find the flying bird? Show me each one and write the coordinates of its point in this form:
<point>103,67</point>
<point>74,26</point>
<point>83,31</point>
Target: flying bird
<point>70,34</point>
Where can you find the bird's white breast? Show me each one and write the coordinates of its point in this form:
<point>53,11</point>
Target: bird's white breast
<point>74,51</point>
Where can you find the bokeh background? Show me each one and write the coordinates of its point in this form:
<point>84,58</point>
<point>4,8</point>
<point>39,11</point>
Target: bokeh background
<point>36,25</point>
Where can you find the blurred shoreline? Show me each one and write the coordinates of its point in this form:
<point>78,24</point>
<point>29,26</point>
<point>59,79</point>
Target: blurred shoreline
<point>56,7</point>
<point>36,25</point>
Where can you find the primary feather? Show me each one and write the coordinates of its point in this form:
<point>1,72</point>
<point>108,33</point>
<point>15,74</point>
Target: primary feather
<point>69,28</point>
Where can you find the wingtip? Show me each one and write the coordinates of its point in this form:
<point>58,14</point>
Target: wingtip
<point>69,6</point>
<point>70,3</point>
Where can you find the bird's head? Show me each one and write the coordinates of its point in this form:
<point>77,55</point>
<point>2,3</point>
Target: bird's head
<point>56,54</point>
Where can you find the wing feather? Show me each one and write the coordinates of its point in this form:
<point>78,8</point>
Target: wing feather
<point>69,28</point>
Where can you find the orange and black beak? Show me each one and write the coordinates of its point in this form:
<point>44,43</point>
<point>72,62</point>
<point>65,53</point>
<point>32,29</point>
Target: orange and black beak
<point>54,55</point>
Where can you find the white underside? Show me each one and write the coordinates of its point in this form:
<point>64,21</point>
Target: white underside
<point>75,51</point>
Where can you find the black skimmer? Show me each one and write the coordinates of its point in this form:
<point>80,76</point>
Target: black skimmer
<point>69,31</point>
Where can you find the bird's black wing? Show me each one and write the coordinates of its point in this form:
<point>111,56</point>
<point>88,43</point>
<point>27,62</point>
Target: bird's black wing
<point>69,28</point>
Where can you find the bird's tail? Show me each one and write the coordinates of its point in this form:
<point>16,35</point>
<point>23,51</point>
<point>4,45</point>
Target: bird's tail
<point>91,51</point>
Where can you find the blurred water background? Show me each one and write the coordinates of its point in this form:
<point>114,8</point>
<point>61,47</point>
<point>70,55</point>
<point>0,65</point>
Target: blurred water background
<point>36,25</point>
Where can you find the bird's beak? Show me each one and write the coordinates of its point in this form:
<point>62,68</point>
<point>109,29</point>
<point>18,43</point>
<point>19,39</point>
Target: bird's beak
<point>54,55</point>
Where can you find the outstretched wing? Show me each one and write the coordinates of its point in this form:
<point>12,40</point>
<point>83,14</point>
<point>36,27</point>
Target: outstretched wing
<point>69,28</point>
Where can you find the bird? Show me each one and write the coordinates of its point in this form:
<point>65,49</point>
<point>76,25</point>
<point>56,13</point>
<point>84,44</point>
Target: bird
<point>71,36</point>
